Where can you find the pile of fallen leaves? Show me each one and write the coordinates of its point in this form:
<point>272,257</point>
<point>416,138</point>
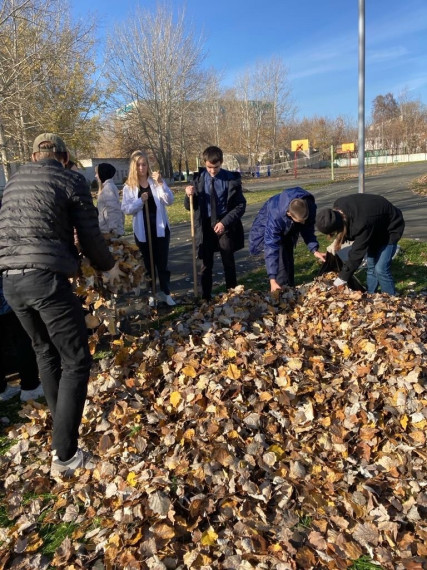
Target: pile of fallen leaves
<point>99,296</point>
<point>259,432</point>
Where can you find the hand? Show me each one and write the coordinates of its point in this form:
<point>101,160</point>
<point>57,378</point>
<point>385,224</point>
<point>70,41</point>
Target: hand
<point>274,286</point>
<point>189,190</point>
<point>320,255</point>
<point>339,282</point>
<point>144,196</point>
<point>115,274</point>
<point>157,177</point>
<point>219,228</point>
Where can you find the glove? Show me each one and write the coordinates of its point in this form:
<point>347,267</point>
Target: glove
<point>338,282</point>
<point>115,274</point>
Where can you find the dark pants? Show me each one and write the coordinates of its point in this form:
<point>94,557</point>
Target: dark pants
<point>53,318</point>
<point>16,353</point>
<point>211,244</point>
<point>160,259</point>
<point>286,262</point>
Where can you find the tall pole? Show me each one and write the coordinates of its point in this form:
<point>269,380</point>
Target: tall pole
<point>361,120</point>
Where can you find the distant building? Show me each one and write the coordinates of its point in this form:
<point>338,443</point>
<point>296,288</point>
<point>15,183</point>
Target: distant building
<point>87,168</point>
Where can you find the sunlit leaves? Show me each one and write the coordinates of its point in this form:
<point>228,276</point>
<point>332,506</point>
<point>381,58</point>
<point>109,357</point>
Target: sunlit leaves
<point>256,432</point>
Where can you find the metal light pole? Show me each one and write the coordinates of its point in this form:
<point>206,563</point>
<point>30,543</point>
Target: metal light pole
<point>361,119</point>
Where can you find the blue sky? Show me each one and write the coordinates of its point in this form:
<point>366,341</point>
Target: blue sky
<point>318,42</point>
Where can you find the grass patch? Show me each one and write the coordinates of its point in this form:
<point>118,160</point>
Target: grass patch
<point>53,534</point>
<point>101,354</point>
<point>365,563</point>
<point>5,521</point>
<point>409,268</point>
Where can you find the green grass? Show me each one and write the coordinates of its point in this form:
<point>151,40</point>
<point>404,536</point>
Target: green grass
<point>53,534</point>
<point>409,268</point>
<point>365,563</point>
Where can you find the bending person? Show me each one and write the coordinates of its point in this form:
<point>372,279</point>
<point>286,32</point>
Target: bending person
<point>374,226</point>
<point>276,228</point>
<point>142,188</point>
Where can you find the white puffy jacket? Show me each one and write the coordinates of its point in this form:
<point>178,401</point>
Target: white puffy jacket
<point>110,215</point>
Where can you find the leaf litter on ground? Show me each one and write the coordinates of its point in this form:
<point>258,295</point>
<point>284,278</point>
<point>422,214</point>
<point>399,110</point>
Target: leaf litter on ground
<point>260,431</point>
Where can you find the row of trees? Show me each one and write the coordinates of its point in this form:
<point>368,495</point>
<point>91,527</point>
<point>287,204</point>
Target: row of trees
<point>156,94</point>
<point>398,125</point>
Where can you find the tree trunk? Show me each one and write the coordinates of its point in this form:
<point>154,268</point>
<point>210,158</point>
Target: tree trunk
<point>3,154</point>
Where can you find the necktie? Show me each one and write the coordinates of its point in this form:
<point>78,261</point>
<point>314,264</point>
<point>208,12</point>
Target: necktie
<point>213,203</point>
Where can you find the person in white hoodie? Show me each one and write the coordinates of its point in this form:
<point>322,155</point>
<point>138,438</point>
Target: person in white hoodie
<point>148,193</point>
<point>110,215</point>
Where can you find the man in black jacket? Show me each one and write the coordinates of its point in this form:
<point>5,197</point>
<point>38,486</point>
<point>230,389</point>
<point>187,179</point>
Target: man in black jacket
<point>43,204</point>
<point>219,205</point>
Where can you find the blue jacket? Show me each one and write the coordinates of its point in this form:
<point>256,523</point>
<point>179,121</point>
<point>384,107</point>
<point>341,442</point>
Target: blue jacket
<point>272,223</point>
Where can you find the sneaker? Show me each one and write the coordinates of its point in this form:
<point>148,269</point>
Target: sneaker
<point>151,301</point>
<point>27,395</point>
<point>165,298</point>
<point>9,393</point>
<point>80,460</point>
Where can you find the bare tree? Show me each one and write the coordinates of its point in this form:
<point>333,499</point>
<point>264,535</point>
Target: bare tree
<point>154,63</point>
<point>46,66</point>
<point>265,104</point>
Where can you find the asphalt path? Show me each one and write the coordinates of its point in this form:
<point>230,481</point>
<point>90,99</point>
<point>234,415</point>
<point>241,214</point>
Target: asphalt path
<point>393,183</point>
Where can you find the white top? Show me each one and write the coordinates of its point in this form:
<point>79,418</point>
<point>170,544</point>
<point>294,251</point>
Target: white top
<point>110,216</point>
<point>132,205</point>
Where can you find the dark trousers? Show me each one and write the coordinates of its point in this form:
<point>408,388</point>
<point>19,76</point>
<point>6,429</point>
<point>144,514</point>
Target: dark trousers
<point>16,353</point>
<point>160,259</point>
<point>211,244</point>
<point>286,274</point>
<point>53,318</point>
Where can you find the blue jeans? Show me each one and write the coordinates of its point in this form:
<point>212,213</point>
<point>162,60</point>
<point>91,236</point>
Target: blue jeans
<point>379,269</point>
<point>54,320</point>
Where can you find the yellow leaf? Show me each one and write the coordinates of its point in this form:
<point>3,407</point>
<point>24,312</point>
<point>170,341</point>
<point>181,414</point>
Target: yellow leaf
<point>132,478</point>
<point>275,547</point>
<point>175,399</point>
<point>232,434</point>
<point>346,351</point>
<point>209,537</point>
<point>34,543</point>
<point>189,434</point>
<point>404,421</point>
<point>233,372</point>
<point>231,353</point>
<point>277,450</point>
<point>189,371</point>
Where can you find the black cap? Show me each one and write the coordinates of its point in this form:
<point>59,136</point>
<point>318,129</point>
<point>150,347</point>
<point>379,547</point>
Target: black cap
<point>329,221</point>
<point>105,171</point>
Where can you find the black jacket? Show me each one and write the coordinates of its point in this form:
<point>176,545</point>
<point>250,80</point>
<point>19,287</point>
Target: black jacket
<point>372,222</point>
<point>42,204</point>
<point>236,206</point>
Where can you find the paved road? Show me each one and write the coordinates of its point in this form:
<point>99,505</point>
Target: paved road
<point>393,183</point>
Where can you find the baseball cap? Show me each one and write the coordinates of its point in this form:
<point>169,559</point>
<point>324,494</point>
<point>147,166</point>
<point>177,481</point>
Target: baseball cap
<point>57,143</point>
